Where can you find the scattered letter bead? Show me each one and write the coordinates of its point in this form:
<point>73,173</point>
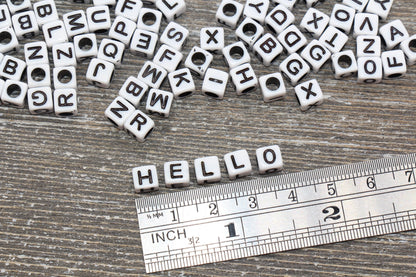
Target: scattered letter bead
<point>181,82</point>
<point>286,3</point>
<point>256,9</point>
<point>344,64</point>
<point>292,39</point>
<point>238,164</point>
<point>25,24</point>
<point>36,53</point>
<point>342,17</point>
<point>65,102</point>
<point>272,87</point>
<point>409,48</point>
<point>207,170</point>
<point>64,77</point>
<point>167,57</point>
<point>309,94</point>
<point>139,125</point>
<point>149,19</point>
<point>368,46</point>
<point>171,9</point>
<point>112,51</point>
<point>370,70</point>
<point>229,13</point>
<point>393,33</point>
<point>133,90</point>
<point>244,78</point>
<point>212,39</point>
<point>333,39</point>
<point>54,32</point>
<point>5,18</point>
<point>45,11</point>
<point>294,68</point>
<point>8,40</point>
<point>64,54</point>
<point>269,159</point>
<point>38,75</point>
<point>198,61</point>
<point>18,6</point>
<point>176,174</point>
<point>98,18</point>
<point>118,111</point>
<point>380,8</point>
<point>279,19</point>
<point>12,68</point>
<point>40,100</point>
<point>129,9</point>
<point>143,43</point>
<point>314,22</point>
<point>75,23</point>
<point>267,49</point>
<point>174,35</point>
<point>365,24</point>
<point>249,31</point>
<point>316,55</point>
<point>159,102</point>
<point>122,30</point>
<point>215,83</point>
<point>145,178</point>
<point>100,73</point>
<point>152,74</point>
<point>236,54</point>
<point>358,5</point>
<point>14,93</point>
<point>394,64</point>
<point>85,46</point>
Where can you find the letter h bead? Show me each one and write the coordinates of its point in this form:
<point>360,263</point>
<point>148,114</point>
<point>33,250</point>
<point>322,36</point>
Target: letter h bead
<point>145,178</point>
<point>244,78</point>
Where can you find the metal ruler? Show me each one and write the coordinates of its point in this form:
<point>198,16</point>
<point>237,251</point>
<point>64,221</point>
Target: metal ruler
<point>279,213</point>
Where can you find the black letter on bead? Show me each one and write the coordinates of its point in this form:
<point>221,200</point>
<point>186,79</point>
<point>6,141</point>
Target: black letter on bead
<point>256,6</point>
<point>159,98</point>
<point>382,2</point>
<point>166,55</point>
<point>265,156</point>
<point>181,79</point>
<point>152,71</point>
<point>34,55</point>
<point>134,89</point>
<point>394,32</point>
<point>173,170</point>
<point>368,22</point>
<point>10,67</point>
<point>126,6</point>
<point>170,7</point>
<point>122,108</point>
<point>308,90</point>
<point>44,10</point>
<point>370,43</point>
<point>73,21</point>
<point>140,120</point>
<point>235,165</point>
<point>268,45</point>
<point>204,172</point>
<point>36,95</point>
<point>63,100</point>
<point>212,36</point>
<point>175,34</point>
<point>246,78</point>
<point>149,176</point>
<point>315,20</point>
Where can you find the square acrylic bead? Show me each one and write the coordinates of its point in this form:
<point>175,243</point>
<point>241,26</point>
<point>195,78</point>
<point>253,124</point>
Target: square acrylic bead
<point>409,48</point>
<point>316,55</point>
<point>313,3</point>
<point>333,39</point>
<point>139,125</point>
<point>215,83</point>
<point>292,39</point>
<point>294,68</point>
<point>229,13</point>
<point>309,94</point>
<point>279,19</point>
<point>129,9</point>
<point>75,23</point>
<point>267,49</point>
<point>181,83</point>
<point>358,5</point>
<point>342,17</point>
<point>112,51</point>
<point>368,46</point>
<point>380,8</point>
<point>40,100</point>
<point>244,79</point>
<point>122,30</point>
<point>18,6</point>
<point>54,32</point>
<point>14,93</point>
<point>25,24</point>
<point>370,70</point>
<point>159,102</point>
<point>314,22</point>
<point>5,17</point>
<point>150,20</point>
<point>168,57</point>
<point>38,75</point>
<point>290,4</point>
<point>344,64</point>
<point>65,102</point>
<point>133,90</point>
<point>176,174</point>
<point>256,9</point>
<point>143,43</point>
<point>394,64</point>
<point>63,54</point>
<point>236,54</point>
<point>100,73</point>
<point>45,11</point>
<point>393,33</point>
<point>249,31</point>
<point>198,61</point>
<point>174,35</point>
<point>65,77</point>
<point>237,164</point>
<point>171,9</point>
<point>365,24</point>
<point>272,87</point>
<point>145,178</point>
<point>85,46</point>
<point>98,19</point>
<point>8,40</point>
<point>269,159</point>
<point>207,170</point>
<point>36,53</point>
<point>212,39</point>
<point>118,111</point>
<point>12,68</point>
<point>152,74</point>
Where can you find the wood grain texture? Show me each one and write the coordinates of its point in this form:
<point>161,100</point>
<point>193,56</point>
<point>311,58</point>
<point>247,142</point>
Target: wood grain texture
<point>67,201</point>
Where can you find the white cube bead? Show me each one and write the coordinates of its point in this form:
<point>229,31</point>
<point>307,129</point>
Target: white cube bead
<point>409,48</point>
<point>14,93</point>
<point>316,55</point>
<point>269,159</point>
<point>212,39</point>
<point>344,64</point>
<point>294,68</point>
<point>181,83</point>
<point>368,46</point>
<point>38,75</point>
<point>394,64</point>
<point>25,24</point>
<point>267,49</point>
<point>176,174</point>
<point>309,94</point>
<point>143,43</point>
<point>54,32</point>
<point>286,3</point>
<point>365,24</point>
<point>215,83</point>
<point>145,178</point>
<point>279,19</point>
<point>342,17</point>
<point>229,13</point>
<point>122,30</point>
<point>236,54</point>
<point>98,18</point>
<point>314,22</point>
<point>110,3</point>
<point>244,78</point>
<point>118,111</point>
<point>149,19</point>
<point>393,33</point>
<point>139,125</point>
<point>358,5</point>
<point>64,77</point>
<point>152,74</point>
<point>313,3</point>
<point>8,40</point>
<point>85,46</point>
<point>198,61</point>
<point>174,35</point>
<point>238,164</point>
<point>36,53</point>
<point>75,23</point>
<point>256,9</point>
<point>168,57</point>
<point>171,9</point>
<point>40,100</point>
<point>380,8</point>
<point>292,39</point>
<point>249,31</point>
<point>370,70</point>
<point>12,68</point>
<point>18,6</point>
<point>45,11</point>
<point>272,87</point>
<point>133,90</point>
<point>159,102</point>
<point>207,170</point>
<point>5,18</point>
<point>63,54</point>
<point>129,9</point>
<point>65,102</point>
<point>333,39</point>
<point>100,73</point>
<point>112,51</point>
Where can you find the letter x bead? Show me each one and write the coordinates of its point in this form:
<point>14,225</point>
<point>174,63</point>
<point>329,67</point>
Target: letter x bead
<point>314,22</point>
<point>212,39</point>
<point>309,94</point>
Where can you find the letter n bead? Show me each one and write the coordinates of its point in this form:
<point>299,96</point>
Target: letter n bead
<point>139,125</point>
<point>238,164</point>
<point>40,100</point>
<point>145,178</point>
<point>309,94</point>
<point>118,111</point>
<point>244,79</point>
<point>36,53</point>
<point>207,170</point>
<point>229,13</point>
<point>65,102</point>
<point>176,174</point>
<point>269,159</point>
<point>100,73</point>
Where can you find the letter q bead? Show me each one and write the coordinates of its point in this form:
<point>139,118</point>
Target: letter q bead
<point>238,164</point>
<point>269,159</point>
<point>176,174</point>
<point>145,178</point>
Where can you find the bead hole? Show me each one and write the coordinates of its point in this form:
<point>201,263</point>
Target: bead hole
<point>184,94</point>
<point>247,90</point>
<point>17,2</point>
<point>198,58</point>
<point>85,44</point>
<point>345,61</point>
<point>64,76</point>
<point>229,9</point>
<point>38,74</point>
<point>236,52</point>
<point>273,83</point>
<point>397,75</point>
<point>149,19</point>
<point>14,91</point>
<point>249,29</point>
<point>210,94</point>
<point>412,45</point>
<point>5,37</point>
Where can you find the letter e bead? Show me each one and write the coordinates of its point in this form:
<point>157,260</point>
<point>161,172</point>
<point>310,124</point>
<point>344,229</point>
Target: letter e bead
<point>176,174</point>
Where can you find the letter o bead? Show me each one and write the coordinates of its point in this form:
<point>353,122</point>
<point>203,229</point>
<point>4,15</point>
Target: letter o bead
<point>229,13</point>
<point>14,93</point>
<point>176,174</point>
<point>272,87</point>
<point>269,159</point>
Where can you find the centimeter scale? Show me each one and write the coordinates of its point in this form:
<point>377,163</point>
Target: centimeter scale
<point>278,213</point>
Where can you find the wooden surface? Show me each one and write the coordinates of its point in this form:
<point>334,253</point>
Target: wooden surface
<point>67,200</point>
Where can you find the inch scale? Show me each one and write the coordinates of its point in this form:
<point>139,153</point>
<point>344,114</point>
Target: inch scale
<point>278,213</point>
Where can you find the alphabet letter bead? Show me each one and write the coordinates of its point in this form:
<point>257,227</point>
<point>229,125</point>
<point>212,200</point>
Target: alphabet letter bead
<point>65,77</point>
<point>393,33</point>
<point>207,170</point>
<point>176,174</point>
<point>229,13</point>
<point>269,159</point>
<point>358,5</point>
<point>18,6</point>
<point>408,46</point>
<point>112,51</point>
<point>244,78</point>
<point>267,49</point>
<point>98,18</point>
<point>294,68</point>
<point>14,93</point>
<point>133,90</point>
<point>174,35</point>
<point>181,82</point>
<point>122,30</point>
<point>45,11</point>
<point>365,24</point>
<point>272,87</point>
<point>316,55</point>
<point>370,70</point>
<point>75,23</point>
<point>159,102</point>
<point>394,64</point>
<point>342,17</point>
<point>64,54</point>
<point>38,75</point>
<point>25,24</point>
<point>314,22</point>
<point>85,46</point>
<point>168,58</point>
<point>212,39</point>
<point>171,9</point>
<point>118,111</point>
<point>286,3</point>
<point>344,64</point>
<point>215,83</point>
<point>12,68</point>
<point>143,43</point>
<point>5,19</point>
<point>149,19</point>
<point>309,94</point>
<point>139,125</point>
<point>380,8</point>
<point>333,39</point>
<point>152,74</point>
<point>54,32</point>
<point>249,31</point>
<point>256,9</point>
<point>236,54</point>
<point>145,178</point>
<point>279,19</point>
<point>198,61</point>
<point>368,46</point>
<point>8,40</point>
<point>40,100</point>
<point>65,102</point>
<point>292,39</point>
<point>129,9</point>
<point>36,53</point>
<point>238,164</point>
<point>100,73</point>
